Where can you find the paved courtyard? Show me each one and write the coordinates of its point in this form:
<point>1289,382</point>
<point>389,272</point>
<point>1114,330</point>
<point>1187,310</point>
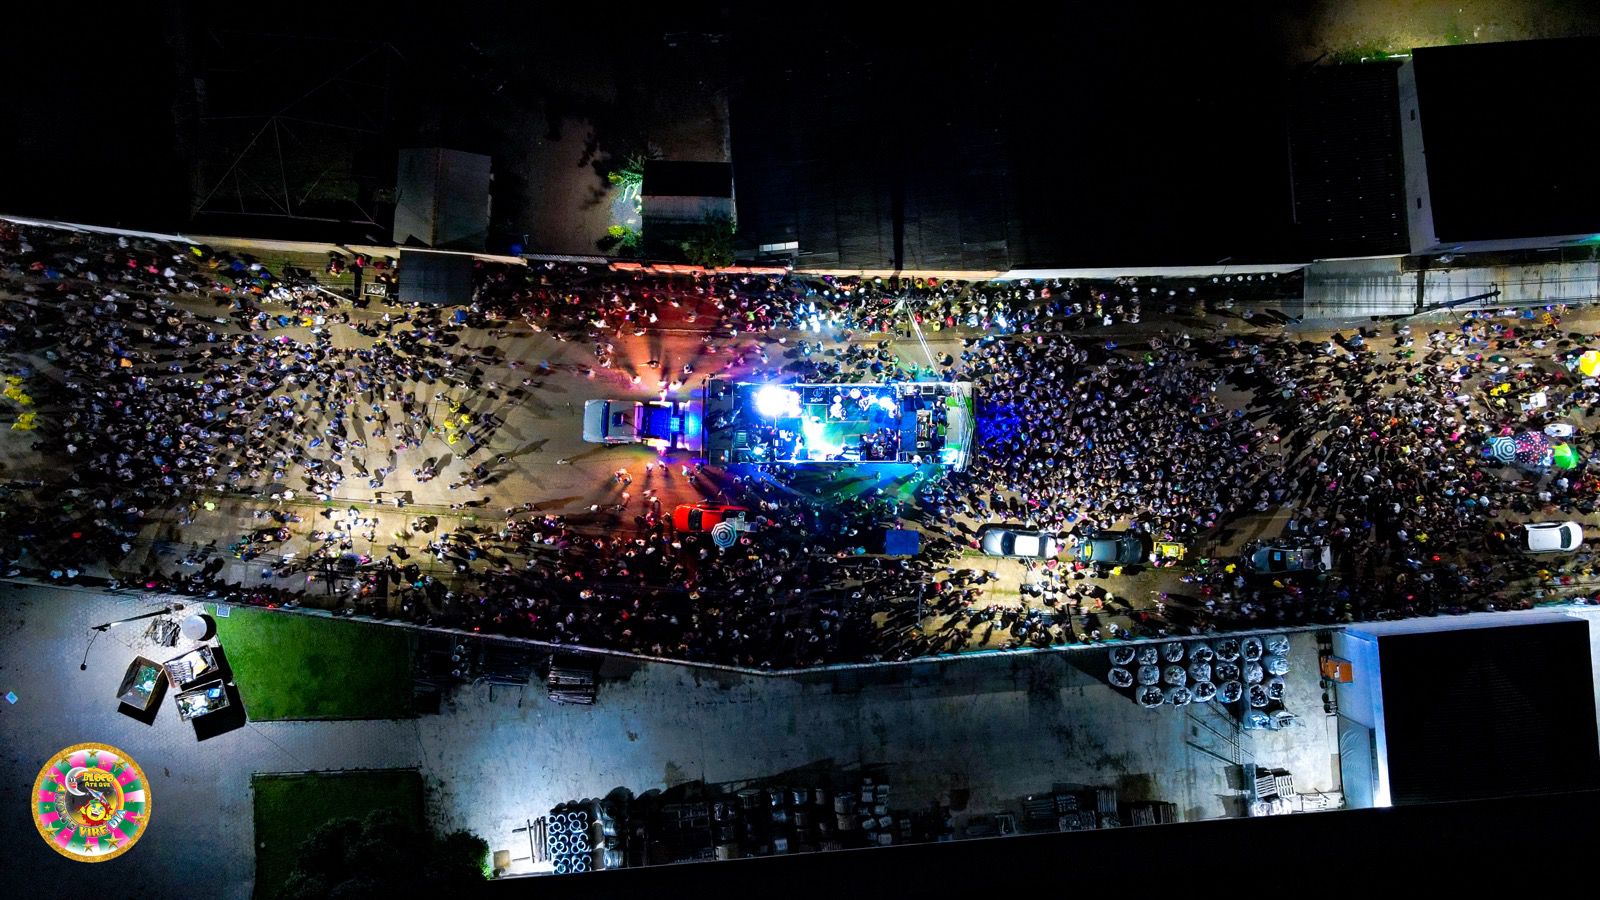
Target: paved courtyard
<point>982,732</point>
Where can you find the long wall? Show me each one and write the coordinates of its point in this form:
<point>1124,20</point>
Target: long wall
<point>1382,287</point>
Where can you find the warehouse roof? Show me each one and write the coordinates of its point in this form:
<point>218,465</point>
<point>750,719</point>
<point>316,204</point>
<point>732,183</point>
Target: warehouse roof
<point>1508,153</point>
<point>673,178</point>
<point>1349,173</point>
<point>1489,712</point>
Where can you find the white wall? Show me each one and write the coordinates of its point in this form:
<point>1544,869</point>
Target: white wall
<point>1419,204</point>
<point>1361,701</point>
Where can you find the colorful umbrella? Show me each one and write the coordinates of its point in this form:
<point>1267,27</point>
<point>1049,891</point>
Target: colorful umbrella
<point>1565,457</point>
<point>1503,449</point>
<point>1589,362</point>
<point>1532,447</point>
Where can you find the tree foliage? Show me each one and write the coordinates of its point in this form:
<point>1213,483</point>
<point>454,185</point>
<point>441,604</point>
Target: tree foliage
<point>712,243</point>
<point>621,240</point>
<point>385,855</point>
<point>630,178</point>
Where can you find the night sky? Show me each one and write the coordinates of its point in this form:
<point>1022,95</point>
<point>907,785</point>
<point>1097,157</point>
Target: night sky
<point>88,130</point>
<point>1121,140</point>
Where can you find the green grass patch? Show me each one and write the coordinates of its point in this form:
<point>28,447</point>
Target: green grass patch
<point>306,667</point>
<point>289,807</point>
<point>1360,54</point>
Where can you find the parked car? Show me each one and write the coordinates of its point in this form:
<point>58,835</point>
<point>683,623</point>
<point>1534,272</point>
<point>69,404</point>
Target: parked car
<point>706,516</point>
<point>1105,549</point>
<point>1287,560</point>
<point>1001,540</point>
<point>1549,537</point>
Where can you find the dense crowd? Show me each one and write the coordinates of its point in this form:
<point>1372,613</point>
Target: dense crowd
<point>1379,454</point>
<point>177,377</point>
<point>568,298</point>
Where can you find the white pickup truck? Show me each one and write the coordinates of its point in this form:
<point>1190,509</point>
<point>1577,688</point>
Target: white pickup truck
<point>663,424</point>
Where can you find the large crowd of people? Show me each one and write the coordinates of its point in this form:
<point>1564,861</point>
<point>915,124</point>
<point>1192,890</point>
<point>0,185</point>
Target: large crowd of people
<point>1378,454</point>
<point>173,377</point>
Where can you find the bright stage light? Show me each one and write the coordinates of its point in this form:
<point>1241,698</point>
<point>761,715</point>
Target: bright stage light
<point>776,401</point>
<point>817,443</point>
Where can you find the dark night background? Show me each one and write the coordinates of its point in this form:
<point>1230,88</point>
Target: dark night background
<point>1079,134</point>
<point>1011,134</point>
<point>89,126</point>
<point>1069,133</point>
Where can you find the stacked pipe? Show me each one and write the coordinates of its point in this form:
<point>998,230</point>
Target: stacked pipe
<point>583,837</point>
<point>1228,670</point>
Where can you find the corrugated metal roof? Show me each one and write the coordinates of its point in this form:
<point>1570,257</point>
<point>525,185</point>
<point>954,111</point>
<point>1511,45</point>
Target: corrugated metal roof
<point>1489,712</point>
<point>677,178</point>
<point>1349,174</point>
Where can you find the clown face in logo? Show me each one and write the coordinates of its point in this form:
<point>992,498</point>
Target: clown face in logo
<point>91,802</point>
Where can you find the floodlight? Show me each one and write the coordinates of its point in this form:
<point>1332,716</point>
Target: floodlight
<point>774,401</point>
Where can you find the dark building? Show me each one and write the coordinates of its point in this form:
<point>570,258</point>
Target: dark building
<point>1043,138</point>
<point>680,197</point>
<point>1466,709</point>
<point>842,162</point>
<point>442,199</point>
<point>1348,169</point>
<point>437,279</point>
<point>1496,152</point>
<point>677,191</point>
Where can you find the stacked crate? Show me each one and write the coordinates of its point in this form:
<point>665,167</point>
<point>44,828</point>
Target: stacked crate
<point>1071,810</point>
<point>570,681</point>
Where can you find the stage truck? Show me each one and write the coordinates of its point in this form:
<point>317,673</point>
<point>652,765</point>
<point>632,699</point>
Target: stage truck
<point>908,422</point>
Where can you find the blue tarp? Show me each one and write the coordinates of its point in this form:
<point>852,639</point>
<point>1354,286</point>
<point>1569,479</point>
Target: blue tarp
<point>902,542</point>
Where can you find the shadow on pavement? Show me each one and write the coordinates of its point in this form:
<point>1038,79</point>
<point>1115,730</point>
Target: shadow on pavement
<point>230,718</point>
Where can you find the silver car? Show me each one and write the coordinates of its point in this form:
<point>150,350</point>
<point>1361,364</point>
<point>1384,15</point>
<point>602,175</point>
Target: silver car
<point>998,540</point>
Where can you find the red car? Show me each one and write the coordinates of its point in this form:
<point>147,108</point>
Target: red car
<point>705,516</point>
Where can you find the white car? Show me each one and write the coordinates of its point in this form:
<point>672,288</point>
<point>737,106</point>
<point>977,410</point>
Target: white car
<point>1550,537</point>
<point>998,540</point>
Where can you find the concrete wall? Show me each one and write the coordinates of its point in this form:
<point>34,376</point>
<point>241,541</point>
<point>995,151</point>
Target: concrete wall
<point>1363,748</point>
<point>689,210</point>
<point>1381,287</point>
<point>1419,204</point>
<point>98,229</point>
<point>1357,287</point>
<point>1155,271</point>
<point>1532,285</point>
